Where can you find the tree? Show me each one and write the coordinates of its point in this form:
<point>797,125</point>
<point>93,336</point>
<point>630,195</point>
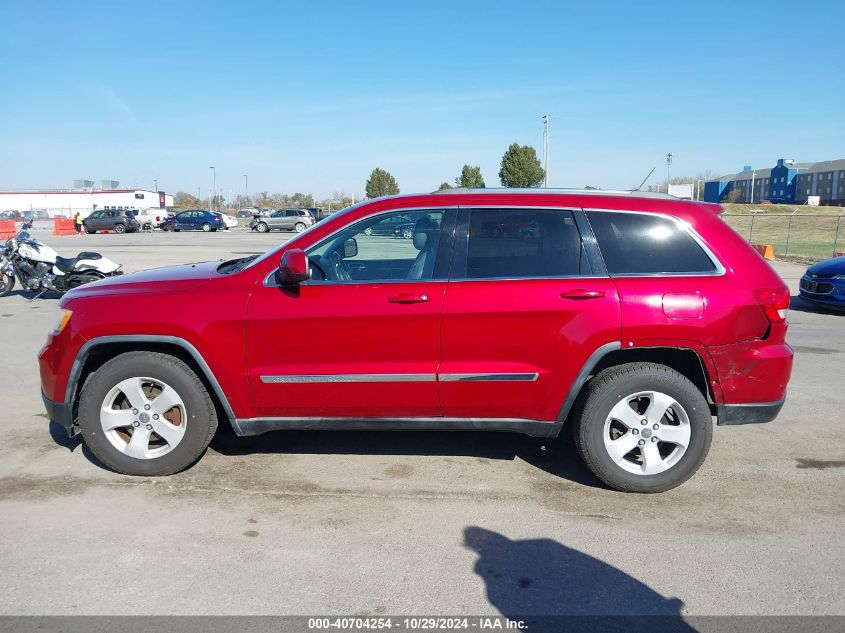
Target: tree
<point>521,167</point>
<point>184,200</point>
<point>381,183</point>
<point>444,185</point>
<point>470,178</point>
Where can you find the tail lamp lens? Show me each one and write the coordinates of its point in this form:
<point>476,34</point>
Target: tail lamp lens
<point>774,301</point>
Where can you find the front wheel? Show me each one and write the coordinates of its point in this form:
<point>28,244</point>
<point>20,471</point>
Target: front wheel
<point>146,413</point>
<point>7,282</point>
<point>643,427</point>
<point>299,227</point>
<point>408,234</point>
<point>263,227</point>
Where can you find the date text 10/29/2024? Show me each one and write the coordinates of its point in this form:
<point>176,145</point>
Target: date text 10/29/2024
<point>416,624</point>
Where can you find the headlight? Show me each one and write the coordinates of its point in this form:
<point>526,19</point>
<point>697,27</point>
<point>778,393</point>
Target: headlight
<point>63,321</point>
<point>839,276</point>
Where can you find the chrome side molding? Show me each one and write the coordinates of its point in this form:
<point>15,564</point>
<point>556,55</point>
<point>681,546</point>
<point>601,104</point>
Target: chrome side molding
<point>496,377</point>
<point>338,378</point>
<point>335,378</point>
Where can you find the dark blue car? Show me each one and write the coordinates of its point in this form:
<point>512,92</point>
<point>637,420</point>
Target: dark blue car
<point>193,220</point>
<point>824,283</point>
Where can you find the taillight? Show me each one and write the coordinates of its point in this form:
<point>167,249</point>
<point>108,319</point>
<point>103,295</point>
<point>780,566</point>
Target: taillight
<point>774,301</point>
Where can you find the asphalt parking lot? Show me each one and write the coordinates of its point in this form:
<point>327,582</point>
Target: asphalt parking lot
<point>415,523</point>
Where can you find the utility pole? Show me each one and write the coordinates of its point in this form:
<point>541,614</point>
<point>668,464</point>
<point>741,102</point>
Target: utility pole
<point>752,187</point>
<point>213,188</point>
<point>546,120</point>
<point>668,170</point>
<point>246,188</point>
<point>156,182</point>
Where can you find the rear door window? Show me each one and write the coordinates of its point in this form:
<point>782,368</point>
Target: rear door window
<point>646,244</point>
<point>523,243</point>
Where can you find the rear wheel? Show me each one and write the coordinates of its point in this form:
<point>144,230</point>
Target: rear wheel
<point>145,413</point>
<point>206,227</point>
<point>120,228</point>
<point>90,231</point>
<point>643,427</point>
<point>7,282</point>
<point>408,234</point>
<point>299,227</point>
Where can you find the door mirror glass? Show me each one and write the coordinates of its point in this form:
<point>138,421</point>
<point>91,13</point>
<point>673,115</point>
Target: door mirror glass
<point>293,266</point>
<point>350,248</point>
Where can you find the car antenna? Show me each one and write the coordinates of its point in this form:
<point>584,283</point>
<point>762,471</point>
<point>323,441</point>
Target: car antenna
<point>644,179</point>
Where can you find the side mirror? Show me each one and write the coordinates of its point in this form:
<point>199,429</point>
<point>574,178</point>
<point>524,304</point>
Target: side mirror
<point>293,266</point>
<point>350,248</point>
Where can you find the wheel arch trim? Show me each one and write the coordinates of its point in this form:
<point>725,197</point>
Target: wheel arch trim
<point>88,346</point>
<point>586,370</point>
<point>595,359</point>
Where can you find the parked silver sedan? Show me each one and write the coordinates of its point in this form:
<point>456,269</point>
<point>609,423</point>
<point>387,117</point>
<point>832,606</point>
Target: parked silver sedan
<point>284,219</point>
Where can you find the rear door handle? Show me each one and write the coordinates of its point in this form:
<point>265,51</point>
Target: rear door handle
<point>579,294</point>
<point>407,297</point>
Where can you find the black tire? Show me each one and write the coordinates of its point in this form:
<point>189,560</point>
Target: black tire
<point>263,227</point>
<point>201,421</point>
<point>120,228</point>
<point>408,234</point>
<point>206,227</point>
<point>299,227</point>
<point>605,390</point>
<point>7,282</point>
<point>90,231</point>
<point>368,231</point>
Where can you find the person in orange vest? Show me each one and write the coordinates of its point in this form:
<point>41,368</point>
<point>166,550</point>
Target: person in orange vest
<point>78,223</point>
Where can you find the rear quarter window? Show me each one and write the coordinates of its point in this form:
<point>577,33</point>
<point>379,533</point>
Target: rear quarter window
<point>644,244</point>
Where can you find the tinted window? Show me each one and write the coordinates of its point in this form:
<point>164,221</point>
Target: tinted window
<point>522,243</point>
<point>378,249</point>
<point>636,243</point>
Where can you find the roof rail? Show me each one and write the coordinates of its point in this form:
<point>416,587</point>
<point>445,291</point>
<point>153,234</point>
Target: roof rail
<point>536,190</point>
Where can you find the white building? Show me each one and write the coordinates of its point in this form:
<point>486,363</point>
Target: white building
<point>58,202</point>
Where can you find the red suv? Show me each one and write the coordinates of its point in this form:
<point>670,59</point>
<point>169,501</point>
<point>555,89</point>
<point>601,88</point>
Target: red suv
<point>630,319</point>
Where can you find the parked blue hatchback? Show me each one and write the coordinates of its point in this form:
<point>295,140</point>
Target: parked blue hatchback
<point>193,220</point>
<point>824,283</point>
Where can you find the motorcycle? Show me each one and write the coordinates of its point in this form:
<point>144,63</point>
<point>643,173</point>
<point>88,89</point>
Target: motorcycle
<point>39,268</point>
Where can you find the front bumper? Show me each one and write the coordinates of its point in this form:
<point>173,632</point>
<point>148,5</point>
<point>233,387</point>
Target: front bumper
<point>61,413</point>
<point>754,413</point>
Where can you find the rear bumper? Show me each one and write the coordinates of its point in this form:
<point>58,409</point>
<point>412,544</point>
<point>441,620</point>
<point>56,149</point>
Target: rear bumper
<point>753,413</point>
<point>60,413</point>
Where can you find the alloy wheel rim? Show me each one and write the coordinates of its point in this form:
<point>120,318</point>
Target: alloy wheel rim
<point>143,417</point>
<point>647,433</point>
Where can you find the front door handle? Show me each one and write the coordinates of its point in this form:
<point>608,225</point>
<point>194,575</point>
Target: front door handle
<point>407,297</point>
<point>579,294</point>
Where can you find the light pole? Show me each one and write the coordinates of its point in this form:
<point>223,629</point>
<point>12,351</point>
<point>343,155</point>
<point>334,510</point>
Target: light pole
<point>156,182</point>
<point>246,188</point>
<point>546,120</point>
<point>668,170</point>
<point>199,195</point>
<point>213,187</point>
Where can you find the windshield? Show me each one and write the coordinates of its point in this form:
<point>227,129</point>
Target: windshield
<point>274,251</point>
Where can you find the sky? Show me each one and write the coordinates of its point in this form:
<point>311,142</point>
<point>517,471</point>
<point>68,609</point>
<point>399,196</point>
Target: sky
<point>310,96</point>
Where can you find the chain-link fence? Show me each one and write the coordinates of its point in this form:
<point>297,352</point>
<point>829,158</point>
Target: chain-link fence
<point>810,235</point>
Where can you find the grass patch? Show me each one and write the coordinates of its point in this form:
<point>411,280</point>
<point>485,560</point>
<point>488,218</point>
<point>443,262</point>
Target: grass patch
<point>810,236</point>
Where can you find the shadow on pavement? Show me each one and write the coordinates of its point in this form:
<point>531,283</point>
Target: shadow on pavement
<point>540,581</point>
<point>554,456</point>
